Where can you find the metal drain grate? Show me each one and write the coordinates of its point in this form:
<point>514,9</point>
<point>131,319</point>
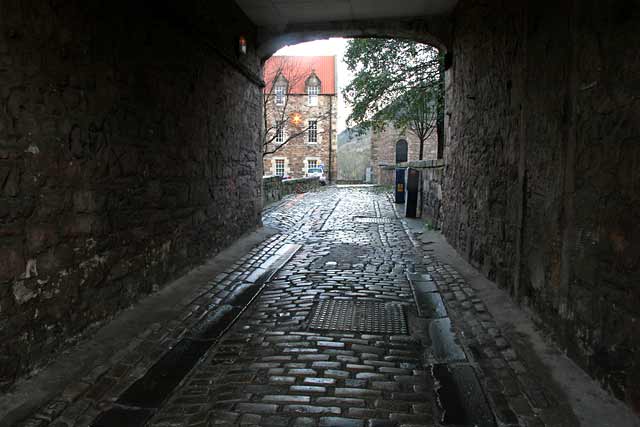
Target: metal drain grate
<point>359,316</point>
<point>371,220</point>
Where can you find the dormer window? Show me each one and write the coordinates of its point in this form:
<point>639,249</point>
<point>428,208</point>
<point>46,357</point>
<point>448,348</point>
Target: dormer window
<point>280,90</point>
<point>312,93</point>
<point>313,89</point>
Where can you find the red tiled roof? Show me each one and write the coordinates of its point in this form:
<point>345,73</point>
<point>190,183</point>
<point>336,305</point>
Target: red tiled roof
<point>297,69</point>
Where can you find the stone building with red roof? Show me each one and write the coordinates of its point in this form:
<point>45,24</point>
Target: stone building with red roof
<point>301,106</point>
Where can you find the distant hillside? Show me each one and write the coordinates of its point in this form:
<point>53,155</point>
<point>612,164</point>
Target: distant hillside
<point>354,154</point>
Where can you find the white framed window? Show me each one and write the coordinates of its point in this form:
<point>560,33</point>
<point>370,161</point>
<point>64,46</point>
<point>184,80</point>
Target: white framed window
<point>279,134</point>
<point>311,164</point>
<point>312,131</point>
<point>279,167</point>
<point>280,93</point>
<point>312,93</point>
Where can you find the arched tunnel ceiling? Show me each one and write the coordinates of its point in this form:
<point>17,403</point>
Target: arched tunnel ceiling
<point>278,13</point>
<point>283,22</point>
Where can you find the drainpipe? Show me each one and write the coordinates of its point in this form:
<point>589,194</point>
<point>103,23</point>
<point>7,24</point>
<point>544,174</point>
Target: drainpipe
<point>330,141</point>
<point>440,111</point>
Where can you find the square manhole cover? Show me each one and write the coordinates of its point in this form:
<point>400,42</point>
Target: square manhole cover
<point>359,316</point>
<point>371,219</point>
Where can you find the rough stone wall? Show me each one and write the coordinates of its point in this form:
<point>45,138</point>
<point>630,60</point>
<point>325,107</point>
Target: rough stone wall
<point>274,188</point>
<point>271,190</point>
<point>383,151</point>
<point>431,191</point>
<point>543,169</point>
<point>298,149</point>
<point>128,152</point>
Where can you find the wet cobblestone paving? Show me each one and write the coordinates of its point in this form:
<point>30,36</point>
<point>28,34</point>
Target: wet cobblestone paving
<point>448,365</point>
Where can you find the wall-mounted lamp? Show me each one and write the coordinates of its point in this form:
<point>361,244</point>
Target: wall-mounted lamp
<point>242,45</point>
<point>296,118</point>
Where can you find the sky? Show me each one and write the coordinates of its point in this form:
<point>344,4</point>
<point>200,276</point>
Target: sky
<point>332,46</point>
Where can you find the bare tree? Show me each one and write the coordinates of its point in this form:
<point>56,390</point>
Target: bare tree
<point>281,123</point>
<point>419,115</point>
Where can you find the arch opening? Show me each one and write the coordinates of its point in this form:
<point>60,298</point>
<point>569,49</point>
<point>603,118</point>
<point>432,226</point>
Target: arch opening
<point>302,132</point>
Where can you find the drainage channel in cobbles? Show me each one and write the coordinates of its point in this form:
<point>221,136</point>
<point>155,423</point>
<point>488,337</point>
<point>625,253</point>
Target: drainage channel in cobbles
<point>459,395</point>
<point>83,399</point>
<point>143,398</point>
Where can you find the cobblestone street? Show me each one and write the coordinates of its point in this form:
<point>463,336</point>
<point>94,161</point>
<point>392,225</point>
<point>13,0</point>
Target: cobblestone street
<point>360,325</point>
<point>199,227</point>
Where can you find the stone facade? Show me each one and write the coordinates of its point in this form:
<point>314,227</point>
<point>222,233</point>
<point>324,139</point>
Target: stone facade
<point>300,90</point>
<point>128,152</point>
<point>543,166</point>
<point>383,151</point>
<point>298,151</point>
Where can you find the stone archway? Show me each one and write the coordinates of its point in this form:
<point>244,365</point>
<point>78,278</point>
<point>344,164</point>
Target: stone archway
<point>434,30</point>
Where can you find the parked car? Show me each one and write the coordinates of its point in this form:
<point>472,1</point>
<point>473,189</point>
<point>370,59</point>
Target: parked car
<point>319,172</point>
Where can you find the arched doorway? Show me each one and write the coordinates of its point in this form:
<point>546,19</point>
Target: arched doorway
<point>402,151</point>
